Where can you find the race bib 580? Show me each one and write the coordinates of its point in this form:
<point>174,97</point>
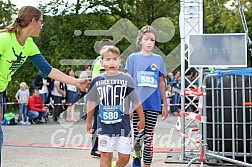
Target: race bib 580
<point>110,114</point>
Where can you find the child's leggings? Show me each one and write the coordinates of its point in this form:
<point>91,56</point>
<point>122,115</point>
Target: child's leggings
<point>147,134</point>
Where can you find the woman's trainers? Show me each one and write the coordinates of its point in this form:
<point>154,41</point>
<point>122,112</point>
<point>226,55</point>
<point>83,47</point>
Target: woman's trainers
<point>27,123</point>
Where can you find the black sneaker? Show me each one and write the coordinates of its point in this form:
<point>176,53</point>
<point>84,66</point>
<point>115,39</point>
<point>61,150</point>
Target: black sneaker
<point>31,121</point>
<point>35,121</point>
<point>84,117</point>
<point>94,153</point>
<point>45,119</point>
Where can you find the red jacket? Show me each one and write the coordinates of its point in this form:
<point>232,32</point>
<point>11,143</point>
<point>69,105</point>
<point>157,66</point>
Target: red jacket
<point>35,103</point>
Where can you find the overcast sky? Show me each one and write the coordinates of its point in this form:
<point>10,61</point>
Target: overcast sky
<point>21,3</point>
<point>35,3</point>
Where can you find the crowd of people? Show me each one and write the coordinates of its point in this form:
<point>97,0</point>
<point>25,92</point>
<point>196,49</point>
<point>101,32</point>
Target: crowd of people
<point>173,90</point>
<point>55,92</point>
<point>49,97</point>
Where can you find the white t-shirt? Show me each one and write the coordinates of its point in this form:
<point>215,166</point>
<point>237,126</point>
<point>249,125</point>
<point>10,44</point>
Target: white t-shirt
<point>23,95</point>
<point>71,88</point>
<point>55,91</point>
<point>44,87</point>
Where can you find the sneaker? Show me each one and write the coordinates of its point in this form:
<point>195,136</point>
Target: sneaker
<point>84,117</point>
<point>137,159</point>
<point>30,120</point>
<point>136,162</point>
<point>46,119</point>
<point>95,153</point>
<point>22,123</point>
<point>113,164</point>
<point>40,121</point>
<point>27,123</point>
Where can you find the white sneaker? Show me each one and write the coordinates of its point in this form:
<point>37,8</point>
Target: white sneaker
<point>27,123</point>
<point>22,123</point>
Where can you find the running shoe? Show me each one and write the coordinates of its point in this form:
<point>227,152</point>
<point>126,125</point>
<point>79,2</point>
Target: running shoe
<point>136,162</point>
<point>22,123</point>
<point>137,159</point>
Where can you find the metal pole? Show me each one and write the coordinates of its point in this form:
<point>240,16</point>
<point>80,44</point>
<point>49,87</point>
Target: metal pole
<point>182,54</point>
<point>195,20</point>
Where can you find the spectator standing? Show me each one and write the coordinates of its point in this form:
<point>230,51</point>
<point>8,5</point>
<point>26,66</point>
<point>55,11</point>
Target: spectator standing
<point>5,100</point>
<point>71,98</point>
<point>176,88</point>
<point>22,96</point>
<point>58,93</point>
<point>44,92</point>
<point>86,73</point>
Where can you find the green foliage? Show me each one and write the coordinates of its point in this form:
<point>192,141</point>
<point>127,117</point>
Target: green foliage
<point>58,40</point>
<point>7,10</point>
<point>219,19</point>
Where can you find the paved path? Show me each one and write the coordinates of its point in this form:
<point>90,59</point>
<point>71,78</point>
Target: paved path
<point>68,144</point>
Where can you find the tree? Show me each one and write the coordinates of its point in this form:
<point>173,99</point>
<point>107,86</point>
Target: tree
<point>58,39</point>
<point>63,7</point>
<point>7,11</point>
<point>220,19</point>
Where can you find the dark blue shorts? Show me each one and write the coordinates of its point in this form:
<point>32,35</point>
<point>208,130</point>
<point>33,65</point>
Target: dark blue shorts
<point>71,97</point>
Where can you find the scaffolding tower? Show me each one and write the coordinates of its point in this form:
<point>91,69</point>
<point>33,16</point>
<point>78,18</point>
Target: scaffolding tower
<point>191,22</point>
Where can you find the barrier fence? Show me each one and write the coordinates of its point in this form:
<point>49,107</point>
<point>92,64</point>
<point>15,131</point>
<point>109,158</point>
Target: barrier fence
<point>227,126</point>
<point>60,104</point>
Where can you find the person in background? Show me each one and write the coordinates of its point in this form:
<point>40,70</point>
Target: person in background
<point>176,88</point>
<point>5,100</point>
<point>44,92</point>
<point>71,98</point>
<point>169,95</point>
<point>36,109</point>
<point>22,96</point>
<point>195,76</point>
<point>58,94</point>
<point>169,78</point>
<point>42,85</point>
<point>16,46</point>
<point>86,73</point>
